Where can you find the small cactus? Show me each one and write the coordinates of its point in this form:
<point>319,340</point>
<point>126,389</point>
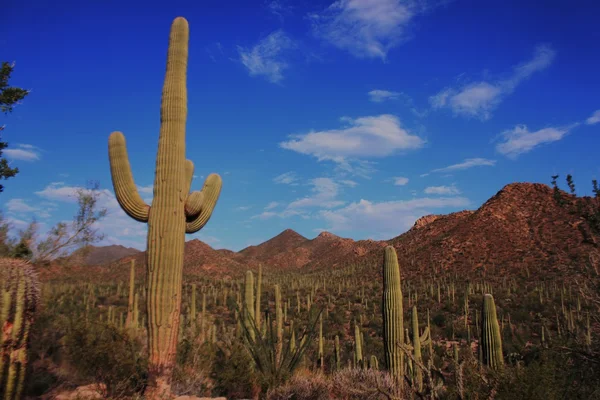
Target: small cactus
<point>491,338</point>
<point>19,294</point>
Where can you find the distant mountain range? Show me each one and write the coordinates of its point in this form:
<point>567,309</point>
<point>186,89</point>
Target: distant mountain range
<point>521,226</point>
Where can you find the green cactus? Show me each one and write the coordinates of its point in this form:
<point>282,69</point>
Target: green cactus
<point>321,355</point>
<point>257,311</point>
<point>19,295</point>
<point>491,339</point>
<point>173,213</point>
<point>337,355</point>
<point>393,315</point>
<point>373,363</point>
<point>418,374</point>
<point>358,346</point>
<point>248,310</point>
<point>129,320</point>
<point>278,325</point>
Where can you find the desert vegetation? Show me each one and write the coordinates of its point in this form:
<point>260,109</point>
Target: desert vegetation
<point>381,328</point>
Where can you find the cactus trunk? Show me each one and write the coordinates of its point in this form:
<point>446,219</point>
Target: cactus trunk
<point>174,212</point>
<point>393,316</point>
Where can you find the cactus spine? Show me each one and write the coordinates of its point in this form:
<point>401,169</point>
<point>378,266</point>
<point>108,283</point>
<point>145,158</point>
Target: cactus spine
<point>19,294</point>
<point>393,323</point>
<point>491,339</point>
<point>173,213</point>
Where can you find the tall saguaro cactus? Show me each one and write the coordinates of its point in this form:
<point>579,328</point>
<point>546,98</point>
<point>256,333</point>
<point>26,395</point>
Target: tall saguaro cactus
<point>393,315</point>
<point>173,213</point>
<point>19,294</point>
<point>491,338</point>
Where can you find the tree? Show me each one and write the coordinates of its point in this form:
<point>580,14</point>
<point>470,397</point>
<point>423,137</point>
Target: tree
<point>83,231</point>
<point>9,97</point>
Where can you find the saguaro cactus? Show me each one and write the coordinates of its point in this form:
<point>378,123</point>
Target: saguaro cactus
<point>491,339</point>
<point>19,294</point>
<point>174,212</point>
<point>393,315</point>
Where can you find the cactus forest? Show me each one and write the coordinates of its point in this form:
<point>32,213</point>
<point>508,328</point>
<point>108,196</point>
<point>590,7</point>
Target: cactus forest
<point>393,324</point>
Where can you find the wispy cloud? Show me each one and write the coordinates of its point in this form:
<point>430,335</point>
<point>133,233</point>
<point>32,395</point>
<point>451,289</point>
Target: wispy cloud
<point>288,178</point>
<point>377,136</point>
<point>400,181</point>
<point>366,29</point>
<point>386,219</point>
<point>323,194</point>
<point>479,99</point>
<point>267,57</point>
<point>520,140</point>
<point>271,205</point>
<point>466,164</point>
<point>243,208</point>
<point>594,118</point>
<point>379,96</point>
<point>442,190</point>
<point>279,8</point>
<point>23,152</point>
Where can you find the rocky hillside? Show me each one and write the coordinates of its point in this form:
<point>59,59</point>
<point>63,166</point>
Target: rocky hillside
<point>522,226</point>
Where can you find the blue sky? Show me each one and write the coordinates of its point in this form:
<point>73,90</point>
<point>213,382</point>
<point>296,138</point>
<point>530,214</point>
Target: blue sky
<point>355,117</point>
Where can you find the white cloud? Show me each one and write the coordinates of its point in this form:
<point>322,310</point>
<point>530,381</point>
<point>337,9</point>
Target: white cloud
<point>520,140</point>
<point>267,57</point>
<point>377,136</point>
<point>243,208</point>
<point>19,206</point>
<point>479,99</point>
<point>23,152</point>
<point>400,181</point>
<point>466,164</point>
<point>348,182</point>
<point>146,189</point>
<point>386,219</point>
<point>366,29</point>
<point>288,178</point>
<point>379,96</point>
<point>325,191</point>
<point>594,118</point>
<point>442,190</point>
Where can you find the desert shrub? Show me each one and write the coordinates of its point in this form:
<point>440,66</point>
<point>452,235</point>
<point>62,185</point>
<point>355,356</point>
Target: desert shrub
<point>439,320</point>
<point>302,386</point>
<point>233,372</point>
<point>103,353</point>
<point>364,384</point>
<point>194,365</point>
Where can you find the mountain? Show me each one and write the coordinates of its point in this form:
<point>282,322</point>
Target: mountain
<point>199,258</point>
<point>99,255</point>
<point>282,243</point>
<point>521,227</point>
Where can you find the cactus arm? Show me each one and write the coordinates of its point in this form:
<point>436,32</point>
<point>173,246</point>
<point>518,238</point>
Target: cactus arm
<point>125,190</point>
<point>210,193</point>
<point>193,204</point>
